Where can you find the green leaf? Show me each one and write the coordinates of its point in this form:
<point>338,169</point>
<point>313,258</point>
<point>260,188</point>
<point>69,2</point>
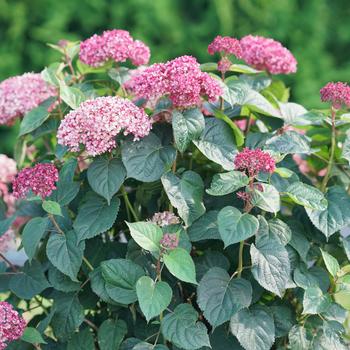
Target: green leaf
<point>289,142</point>
<point>52,207</point>
<point>146,234</point>
<point>268,199</point>
<point>98,285</point>
<point>6,224</point>
<point>239,135</point>
<point>147,160</point>
<point>181,265</point>
<point>315,301</point>
<point>298,339</point>
<point>242,68</point>
<point>83,340</point>
<point>187,126</point>
<point>298,241</point>
<point>31,335</point>
<point>284,172</point>
<point>254,329</point>
<point>95,216</point>
<point>185,194</point>
<point>308,196</point>
<point>346,245</point>
<point>346,148</point>
<point>270,265</point>
<point>66,253</point>
<point>121,276</point>
<point>227,183</point>
<point>120,74</point>
<point>331,263</point>
<point>72,96</point>
<point>154,297</point>
<point>61,281</point>
<point>335,216</point>
<point>206,227</point>
<point>32,233</point>
<point>235,226</point>
<point>36,117</point>
<point>105,176</point>
<point>182,329</point>
<point>284,319</point>
<point>111,334</point>
<point>208,260</point>
<point>220,296</point>
<point>30,281</point>
<point>217,143</point>
<point>68,314</point>
<point>313,277</point>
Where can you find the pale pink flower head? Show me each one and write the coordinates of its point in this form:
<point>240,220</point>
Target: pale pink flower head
<point>39,179</point>
<point>12,324</point>
<point>336,93</point>
<point>253,161</point>
<point>7,240</point>
<point>224,65</point>
<point>165,218</point>
<point>169,241</point>
<point>21,94</point>
<point>8,169</point>
<point>116,45</point>
<point>96,123</point>
<point>267,54</point>
<point>226,46</point>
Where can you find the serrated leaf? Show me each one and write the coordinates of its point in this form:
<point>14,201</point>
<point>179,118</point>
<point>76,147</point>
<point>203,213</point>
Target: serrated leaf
<point>270,265</point>
<point>185,194</point>
<point>235,226</point>
<point>239,135</point>
<point>147,160</point>
<point>206,227</point>
<point>313,277</point>
<point>267,198</point>
<point>226,183</point>
<point>95,216</point>
<point>31,335</point>
<point>180,264</point>
<point>298,241</point>
<point>315,301</point>
<point>290,142</point>
<point>284,319</point>
<point>182,329</point>
<point>98,285</point>
<point>111,334</point>
<point>105,176</point>
<point>210,259</point>
<point>220,296</point>
<point>62,282</point>
<point>298,339</point>
<point>72,96</point>
<point>254,329</point>
<point>153,297</point>
<point>280,230</point>
<point>331,263</point>
<point>65,252</point>
<point>346,148</point>
<point>187,126</point>
<point>217,143</point>
<point>52,207</point>
<point>82,340</point>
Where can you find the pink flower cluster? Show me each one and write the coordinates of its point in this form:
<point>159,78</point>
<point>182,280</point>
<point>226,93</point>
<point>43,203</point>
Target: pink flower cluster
<point>169,241</point>
<point>180,78</point>
<point>40,180</point>
<point>336,93</point>
<point>116,45</point>
<point>20,94</point>
<point>96,123</point>
<point>254,161</point>
<point>226,46</point>
<point>165,218</point>
<point>12,324</point>
<point>6,240</point>
<point>267,54</point>
<point>8,169</point>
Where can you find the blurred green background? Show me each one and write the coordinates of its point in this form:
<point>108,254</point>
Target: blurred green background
<point>316,31</point>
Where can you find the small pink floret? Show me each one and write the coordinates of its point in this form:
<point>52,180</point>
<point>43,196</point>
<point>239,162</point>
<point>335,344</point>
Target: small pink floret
<point>8,169</point>
<point>169,241</point>
<point>165,218</point>
<point>225,45</point>
<point>336,93</point>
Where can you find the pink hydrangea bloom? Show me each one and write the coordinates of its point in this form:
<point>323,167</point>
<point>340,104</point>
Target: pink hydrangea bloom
<point>20,94</point>
<point>224,65</point>
<point>8,169</point>
<point>40,180</point>
<point>117,45</point>
<point>181,79</point>
<point>12,324</point>
<point>267,54</point>
<point>6,240</point>
<point>336,93</point>
<point>254,161</point>
<point>165,218</point>
<point>169,241</point>
<point>96,123</point>
<point>303,165</point>
<point>225,45</point>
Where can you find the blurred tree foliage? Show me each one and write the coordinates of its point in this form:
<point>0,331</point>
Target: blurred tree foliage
<point>316,31</point>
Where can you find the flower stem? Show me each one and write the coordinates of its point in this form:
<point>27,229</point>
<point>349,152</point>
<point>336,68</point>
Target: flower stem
<point>86,261</point>
<point>331,157</point>
<point>52,218</point>
<point>128,204</point>
<point>240,259</point>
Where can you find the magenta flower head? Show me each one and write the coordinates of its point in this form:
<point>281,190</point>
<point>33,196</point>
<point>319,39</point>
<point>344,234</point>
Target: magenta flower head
<point>96,123</point>
<point>226,46</point>
<point>21,94</point>
<point>253,161</point>
<point>116,45</point>
<point>8,169</point>
<point>169,241</point>
<point>267,54</point>
<point>12,324</point>
<point>165,218</point>
<point>336,93</point>
<point>181,79</point>
<point>39,179</point>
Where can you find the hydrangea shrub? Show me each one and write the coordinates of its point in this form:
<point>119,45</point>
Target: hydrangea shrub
<point>173,206</point>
